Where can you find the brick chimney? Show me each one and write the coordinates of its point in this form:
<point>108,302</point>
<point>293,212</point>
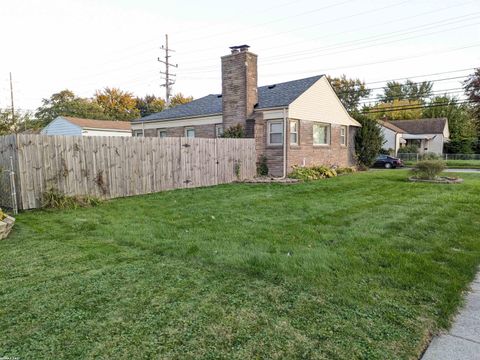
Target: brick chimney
<point>239,86</point>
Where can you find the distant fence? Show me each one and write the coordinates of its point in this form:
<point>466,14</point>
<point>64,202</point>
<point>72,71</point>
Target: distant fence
<point>417,157</point>
<point>111,167</point>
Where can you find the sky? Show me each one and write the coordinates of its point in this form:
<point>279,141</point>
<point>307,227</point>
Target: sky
<point>85,45</point>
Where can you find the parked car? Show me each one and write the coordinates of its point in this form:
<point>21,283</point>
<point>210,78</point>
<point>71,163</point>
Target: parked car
<point>388,162</point>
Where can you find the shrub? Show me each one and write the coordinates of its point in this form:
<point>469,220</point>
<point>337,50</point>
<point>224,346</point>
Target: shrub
<point>53,199</point>
<point>2,215</point>
<point>312,173</point>
<point>428,169</point>
<point>408,149</point>
<point>345,170</point>
<point>368,140</point>
<point>430,156</point>
<point>235,131</point>
<point>262,168</point>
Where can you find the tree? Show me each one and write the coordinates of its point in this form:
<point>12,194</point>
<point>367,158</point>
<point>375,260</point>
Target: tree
<point>180,99</point>
<point>149,104</point>
<point>395,110</point>
<point>117,104</point>
<point>472,90</point>
<point>368,140</point>
<point>13,124</point>
<point>66,103</point>
<point>349,91</point>
<point>408,91</point>
<point>461,123</point>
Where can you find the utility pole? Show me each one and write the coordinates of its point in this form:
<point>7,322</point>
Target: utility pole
<point>11,98</point>
<point>167,74</point>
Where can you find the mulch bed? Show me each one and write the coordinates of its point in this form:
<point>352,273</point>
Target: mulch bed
<point>440,180</point>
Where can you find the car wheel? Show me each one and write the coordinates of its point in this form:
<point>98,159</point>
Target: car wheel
<point>388,165</point>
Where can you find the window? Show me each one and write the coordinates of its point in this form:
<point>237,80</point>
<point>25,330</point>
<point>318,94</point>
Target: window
<point>189,132</point>
<point>294,132</point>
<point>219,130</point>
<point>321,134</point>
<point>137,133</point>
<point>343,135</point>
<point>275,132</point>
<point>161,133</point>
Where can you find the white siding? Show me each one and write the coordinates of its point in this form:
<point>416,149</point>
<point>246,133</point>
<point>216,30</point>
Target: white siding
<point>165,124</point>
<point>389,138</point>
<point>61,126</point>
<point>320,103</point>
<point>98,132</point>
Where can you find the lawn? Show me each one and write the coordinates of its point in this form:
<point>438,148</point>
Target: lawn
<point>361,266</point>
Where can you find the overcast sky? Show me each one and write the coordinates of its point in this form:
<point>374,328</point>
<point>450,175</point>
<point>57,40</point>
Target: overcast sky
<point>84,45</point>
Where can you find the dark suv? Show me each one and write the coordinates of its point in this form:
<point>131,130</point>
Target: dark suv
<point>388,162</point>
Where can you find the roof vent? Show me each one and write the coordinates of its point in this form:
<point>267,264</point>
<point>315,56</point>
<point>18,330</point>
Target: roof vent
<point>271,86</point>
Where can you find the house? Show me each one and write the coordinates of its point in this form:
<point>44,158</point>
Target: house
<point>300,122</point>
<point>428,135</point>
<point>67,125</point>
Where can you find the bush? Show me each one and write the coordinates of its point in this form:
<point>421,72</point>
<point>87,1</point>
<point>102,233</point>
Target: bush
<point>428,169</point>
<point>262,168</point>
<point>408,149</point>
<point>235,131</point>
<point>345,170</point>
<point>431,156</point>
<point>53,199</point>
<point>312,173</point>
<point>368,140</point>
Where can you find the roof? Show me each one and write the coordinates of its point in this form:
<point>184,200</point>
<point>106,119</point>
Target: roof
<point>390,126</point>
<point>270,96</point>
<point>100,124</point>
<point>421,126</point>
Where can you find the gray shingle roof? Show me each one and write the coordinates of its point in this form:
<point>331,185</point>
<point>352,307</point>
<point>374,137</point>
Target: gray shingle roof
<point>421,126</point>
<point>270,96</point>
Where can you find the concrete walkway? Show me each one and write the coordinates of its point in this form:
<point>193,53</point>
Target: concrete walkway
<point>462,342</point>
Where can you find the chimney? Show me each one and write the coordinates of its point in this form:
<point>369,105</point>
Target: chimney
<point>239,86</point>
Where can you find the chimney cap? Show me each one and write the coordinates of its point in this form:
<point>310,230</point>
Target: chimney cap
<point>239,48</point>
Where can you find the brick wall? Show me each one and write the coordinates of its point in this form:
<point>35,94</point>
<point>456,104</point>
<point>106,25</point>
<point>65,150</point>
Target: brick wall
<point>333,154</point>
<point>239,87</point>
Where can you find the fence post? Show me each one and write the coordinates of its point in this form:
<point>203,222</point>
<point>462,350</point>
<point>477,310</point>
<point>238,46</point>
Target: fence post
<point>13,188</point>
<point>417,157</point>
<point>446,156</point>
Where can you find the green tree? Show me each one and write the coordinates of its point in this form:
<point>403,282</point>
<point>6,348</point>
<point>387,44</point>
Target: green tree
<point>349,91</point>
<point>117,104</point>
<point>368,140</point>
<point>472,90</point>
<point>149,104</point>
<point>180,99</point>
<point>14,124</point>
<point>461,123</point>
<point>66,103</point>
<point>408,91</point>
<point>395,110</point>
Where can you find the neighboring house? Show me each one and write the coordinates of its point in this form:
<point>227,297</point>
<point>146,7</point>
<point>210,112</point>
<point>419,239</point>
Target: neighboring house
<point>428,135</point>
<point>300,122</point>
<point>66,125</point>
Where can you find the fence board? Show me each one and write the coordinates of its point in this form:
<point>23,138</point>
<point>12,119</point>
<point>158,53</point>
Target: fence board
<point>110,167</point>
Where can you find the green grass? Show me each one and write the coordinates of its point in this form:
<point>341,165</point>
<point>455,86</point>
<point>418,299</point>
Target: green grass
<point>456,164</point>
<point>361,266</point>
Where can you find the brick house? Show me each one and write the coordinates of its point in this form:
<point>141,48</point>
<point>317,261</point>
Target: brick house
<point>318,129</point>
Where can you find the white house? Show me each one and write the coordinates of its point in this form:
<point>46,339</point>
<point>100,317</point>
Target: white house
<point>428,135</point>
<point>66,125</point>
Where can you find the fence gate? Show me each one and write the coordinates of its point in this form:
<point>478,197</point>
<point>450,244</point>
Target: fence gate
<point>8,195</point>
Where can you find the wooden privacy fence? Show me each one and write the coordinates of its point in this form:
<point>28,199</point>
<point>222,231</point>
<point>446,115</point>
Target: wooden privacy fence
<point>110,167</point>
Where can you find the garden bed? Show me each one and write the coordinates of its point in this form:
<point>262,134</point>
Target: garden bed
<point>439,180</point>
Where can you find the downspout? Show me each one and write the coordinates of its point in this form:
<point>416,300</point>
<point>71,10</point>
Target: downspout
<point>143,128</point>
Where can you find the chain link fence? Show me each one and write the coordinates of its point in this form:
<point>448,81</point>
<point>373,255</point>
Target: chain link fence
<point>8,194</point>
<point>418,157</point>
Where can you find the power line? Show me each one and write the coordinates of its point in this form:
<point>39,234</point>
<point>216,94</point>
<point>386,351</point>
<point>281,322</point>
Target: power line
<point>413,107</point>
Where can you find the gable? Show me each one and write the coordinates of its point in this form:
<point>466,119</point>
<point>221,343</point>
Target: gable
<point>61,126</point>
<point>320,103</point>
